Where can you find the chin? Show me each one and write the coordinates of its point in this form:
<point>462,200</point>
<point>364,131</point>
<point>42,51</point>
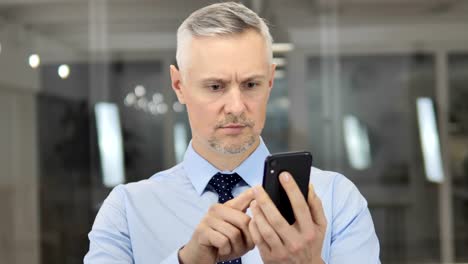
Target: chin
<point>232,146</point>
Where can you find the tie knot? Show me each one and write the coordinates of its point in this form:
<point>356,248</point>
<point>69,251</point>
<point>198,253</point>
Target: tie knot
<point>223,185</point>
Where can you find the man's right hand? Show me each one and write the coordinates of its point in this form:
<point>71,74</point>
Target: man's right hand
<point>223,234</point>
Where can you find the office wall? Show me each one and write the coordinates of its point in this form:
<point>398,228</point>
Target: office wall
<point>19,225</point>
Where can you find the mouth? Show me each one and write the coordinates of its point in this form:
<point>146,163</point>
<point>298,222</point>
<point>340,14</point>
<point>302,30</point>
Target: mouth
<point>233,129</point>
<point>233,126</point>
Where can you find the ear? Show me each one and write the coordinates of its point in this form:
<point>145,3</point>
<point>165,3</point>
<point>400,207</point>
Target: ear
<point>272,76</point>
<point>176,82</point>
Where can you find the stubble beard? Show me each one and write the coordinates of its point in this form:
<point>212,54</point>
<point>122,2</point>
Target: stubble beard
<point>247,141</point>
<point>217,145</point>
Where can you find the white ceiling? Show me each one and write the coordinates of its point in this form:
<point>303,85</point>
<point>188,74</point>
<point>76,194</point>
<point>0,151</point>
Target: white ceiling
<point>135,25</point>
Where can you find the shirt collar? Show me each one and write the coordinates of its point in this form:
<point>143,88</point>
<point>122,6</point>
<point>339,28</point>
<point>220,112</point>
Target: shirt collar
<point>199,170</point>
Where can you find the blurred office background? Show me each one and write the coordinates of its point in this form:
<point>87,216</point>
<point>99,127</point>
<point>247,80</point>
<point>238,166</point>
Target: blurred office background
<point>376,89</point>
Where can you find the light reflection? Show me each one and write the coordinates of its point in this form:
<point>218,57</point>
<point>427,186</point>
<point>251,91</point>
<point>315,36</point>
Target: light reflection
<point>283,103</point>
<point>180,140</point>
<point>429,140</point>
<point>140,90</point>
<point>142,103</point>
<point>279,62</point>
<point>130,99</point>
<point>356,142</point>
<point>158,98</point>
<point>280,74</point>
<point>153,108</point>
<point>63,71</point>
<point>177,107</point>
<point>282,47</point>
<point>34,60</point>
<point>156,106</point>
<point>162,108</point>
<point>110,143</point>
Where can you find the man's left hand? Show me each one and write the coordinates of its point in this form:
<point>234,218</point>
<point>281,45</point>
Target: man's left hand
<point>279,242</point>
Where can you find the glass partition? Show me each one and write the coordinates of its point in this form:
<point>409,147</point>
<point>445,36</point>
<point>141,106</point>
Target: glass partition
<point>349,78</point>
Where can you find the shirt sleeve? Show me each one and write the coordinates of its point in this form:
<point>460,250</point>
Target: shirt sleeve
<point>172,258</point>
<point>353,237</point>
<point>109,240</point>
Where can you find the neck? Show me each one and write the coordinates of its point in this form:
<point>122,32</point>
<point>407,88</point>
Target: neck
<point>223,162</point>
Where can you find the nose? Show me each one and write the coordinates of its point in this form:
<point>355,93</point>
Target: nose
<point>235,104</point>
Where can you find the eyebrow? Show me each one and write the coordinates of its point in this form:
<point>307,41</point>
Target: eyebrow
<point>213,80</point>
<point>256,76</point>
<point>217,79</point>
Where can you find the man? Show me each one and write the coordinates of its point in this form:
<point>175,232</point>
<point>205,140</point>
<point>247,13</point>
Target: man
<point>187,214</point>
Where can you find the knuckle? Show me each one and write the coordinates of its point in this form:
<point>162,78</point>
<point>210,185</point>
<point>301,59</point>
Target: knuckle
<point>261,201</point>
<point>212,209</point>
<point>256,240</point>
<point>245,226</point>
<point>295,248</point>
<point>309,237</point>
<point>250,225</point>
<point>245,221</point>
<point>236,233</point>
<point>276,222</point>
<point>205,223</point>
<point>269,236</point>
<point>217,209</point>
<point>304,206</point>
<point>281,256</point>
<point>250,244</point>
<point>224,241</point>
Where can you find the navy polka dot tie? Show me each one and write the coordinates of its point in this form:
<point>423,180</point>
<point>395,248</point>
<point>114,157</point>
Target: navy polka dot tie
<point>223,185</point>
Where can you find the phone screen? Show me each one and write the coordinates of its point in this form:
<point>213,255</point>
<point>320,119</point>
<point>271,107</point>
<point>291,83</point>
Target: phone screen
<point>298,164</point>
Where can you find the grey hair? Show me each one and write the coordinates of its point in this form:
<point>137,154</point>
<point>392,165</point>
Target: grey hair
<point>221,19</point>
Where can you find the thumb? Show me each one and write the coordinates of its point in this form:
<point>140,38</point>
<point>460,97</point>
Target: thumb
<point>242,201</point>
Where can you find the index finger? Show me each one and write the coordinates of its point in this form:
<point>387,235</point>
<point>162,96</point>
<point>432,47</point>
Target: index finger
<point>298,203</point>
<point>242,201</point>
<point>316,207</point>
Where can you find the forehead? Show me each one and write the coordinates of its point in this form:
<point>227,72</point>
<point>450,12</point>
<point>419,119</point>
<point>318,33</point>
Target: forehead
<point>241,54</point>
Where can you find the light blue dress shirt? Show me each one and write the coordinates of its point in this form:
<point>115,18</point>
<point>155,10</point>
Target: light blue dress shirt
<point>149,221</point>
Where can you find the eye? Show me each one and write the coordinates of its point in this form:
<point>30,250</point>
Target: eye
<point>215,87</point>
<point>251,85</point>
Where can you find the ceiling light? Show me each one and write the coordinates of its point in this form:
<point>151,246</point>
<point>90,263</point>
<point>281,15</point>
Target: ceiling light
<point>34,61</point>
<point>142,104</point>
<point>0,47</point>
<point>177,107</point>
<point>279,61</point>
<point>158,98</point>
<point>282,47</point>
<point>63,71</point>
<point>130,99</point>
<point>162,108</point>
<point>140,90</point>
<point>153,108</point>
<point>280,74</point>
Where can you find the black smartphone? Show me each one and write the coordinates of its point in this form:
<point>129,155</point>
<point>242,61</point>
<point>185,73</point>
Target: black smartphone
<point>298,164</point>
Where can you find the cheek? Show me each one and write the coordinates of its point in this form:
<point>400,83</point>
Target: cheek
<point>259,115</point>
<point>202,118</point>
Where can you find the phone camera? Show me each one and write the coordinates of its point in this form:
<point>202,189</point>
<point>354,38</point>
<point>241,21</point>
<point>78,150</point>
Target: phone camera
<point>273,163</point>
